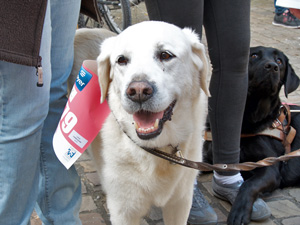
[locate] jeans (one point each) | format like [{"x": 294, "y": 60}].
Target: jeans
[
  {"x": 227, "y": 27},
  {"x": 278, "y": 9},
  {"x": 30, "y": 174}
]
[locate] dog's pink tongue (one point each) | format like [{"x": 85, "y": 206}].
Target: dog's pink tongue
[{"x": 146, "y": 119}]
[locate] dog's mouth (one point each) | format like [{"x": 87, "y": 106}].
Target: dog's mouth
[{"x": 150, "y": 124}]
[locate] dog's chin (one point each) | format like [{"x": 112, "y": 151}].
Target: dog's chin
[
  {"x": 269, "y": 86},
  {"x": 149, "y": 125}
]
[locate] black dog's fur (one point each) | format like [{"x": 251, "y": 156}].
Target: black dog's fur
[{"x": 269, "y": 70}]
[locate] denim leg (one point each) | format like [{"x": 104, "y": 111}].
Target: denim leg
[
  {"x": 23, "y": 109},
  {"x": 278, "y": 9},
  {"x": 60, "y": 189}
]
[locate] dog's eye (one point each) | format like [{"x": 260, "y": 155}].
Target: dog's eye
[
  {"x": 279, "y": 61},
  {"x": 166, "y": 55},
  {"x": 122, "y": 60},
  {"x": 254, "y": 56}
]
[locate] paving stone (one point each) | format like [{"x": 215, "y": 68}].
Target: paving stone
[
  {"x": 277, "y": 194},
  {"x": 208, "y": 188},
  {"x": 92, "y": 219},
  {"x": 85, "y": 156},
  {"x": 88, "y": 166},
  {"x": 83, "y": 188},
  {"x": 265, "y": 222},
  {"x": 87, "y": 204},
  {"x": 226, "y": 205},
  {"x": 295, "y": 193},
  {"x": 221, "y": 216},
  {"x": 34, "y": 219},
  {"x": 283, "y": 208},
  {"x": 93, "y": 178},
  {"x": 291, "y": 221}
]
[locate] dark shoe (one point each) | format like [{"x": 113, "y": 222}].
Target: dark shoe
[
  {"x": 201, "y": 212},
  {"x": 286, "y": 19},
  {"x": 228, "y": 192}
]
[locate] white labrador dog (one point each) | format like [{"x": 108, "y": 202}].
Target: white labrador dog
[{"x": 152, "y": 73}]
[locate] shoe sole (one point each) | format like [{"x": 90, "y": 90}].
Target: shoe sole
[
  {"x": 252, "y": 219},
  {"x": 286, "y": 26}
]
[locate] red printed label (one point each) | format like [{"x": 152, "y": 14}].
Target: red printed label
[{"x": 82, "y": 118}]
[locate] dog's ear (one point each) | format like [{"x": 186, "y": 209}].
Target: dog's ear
[
  {"x": 291, "y": 80},
  {"x": 199, "y": 58},
  {"x": 105, "y": 74}
]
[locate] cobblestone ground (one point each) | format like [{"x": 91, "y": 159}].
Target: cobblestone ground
[{"x": 284, "y": 204}]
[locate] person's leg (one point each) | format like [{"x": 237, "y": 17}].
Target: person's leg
[
  {"x": 278, "y": 9},
  {"x": 229, "y": 44},
  {"x": 60, "y": 189},
  {"x": 23, "y": 109},
  {"x": 178, "y": 12},
  {"x": 185, "y": 14}
]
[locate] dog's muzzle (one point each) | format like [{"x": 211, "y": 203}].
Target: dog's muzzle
[{"x": 148, "y": 124}]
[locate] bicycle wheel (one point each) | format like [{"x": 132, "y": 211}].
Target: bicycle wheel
[
  {"x": 116, "y": 14},
  {"x": 85, "y": 21}
]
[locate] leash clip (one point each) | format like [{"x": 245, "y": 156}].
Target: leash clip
[{"x": 177, "y": 152}]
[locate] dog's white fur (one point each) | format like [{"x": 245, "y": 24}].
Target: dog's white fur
[{"x": 133, "y": 179}]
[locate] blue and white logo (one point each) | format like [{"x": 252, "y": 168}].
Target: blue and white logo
[
  {"x": 71, "y": 152},
  {"x": 83, "y": 79}
]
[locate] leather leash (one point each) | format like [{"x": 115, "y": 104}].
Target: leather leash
[
  {"x": 202, "y": 166},
  {"x": 177, "y": 158}
]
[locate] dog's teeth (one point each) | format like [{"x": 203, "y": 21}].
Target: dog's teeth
[
  {"x": 156, "y": 123},
  {"x": 146, "y": 130},
  {"x": 136, "y": 125}
]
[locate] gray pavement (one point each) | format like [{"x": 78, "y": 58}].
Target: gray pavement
[{"x": 284, "y": 204}]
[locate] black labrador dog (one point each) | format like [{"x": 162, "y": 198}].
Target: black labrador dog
[{"x": 269, "y": 70}]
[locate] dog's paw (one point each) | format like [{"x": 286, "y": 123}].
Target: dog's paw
[{"x": 239, "y": 214}]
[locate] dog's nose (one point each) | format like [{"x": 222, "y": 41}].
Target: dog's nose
[
  {"x": 271, "y": 66},
  {"x": 139, "y": 91}
]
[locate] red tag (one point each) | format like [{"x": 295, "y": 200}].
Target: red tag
[{"x": 82, "y": 118}]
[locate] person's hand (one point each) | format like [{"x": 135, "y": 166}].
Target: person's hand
[{"x": 295, "y": 12}]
